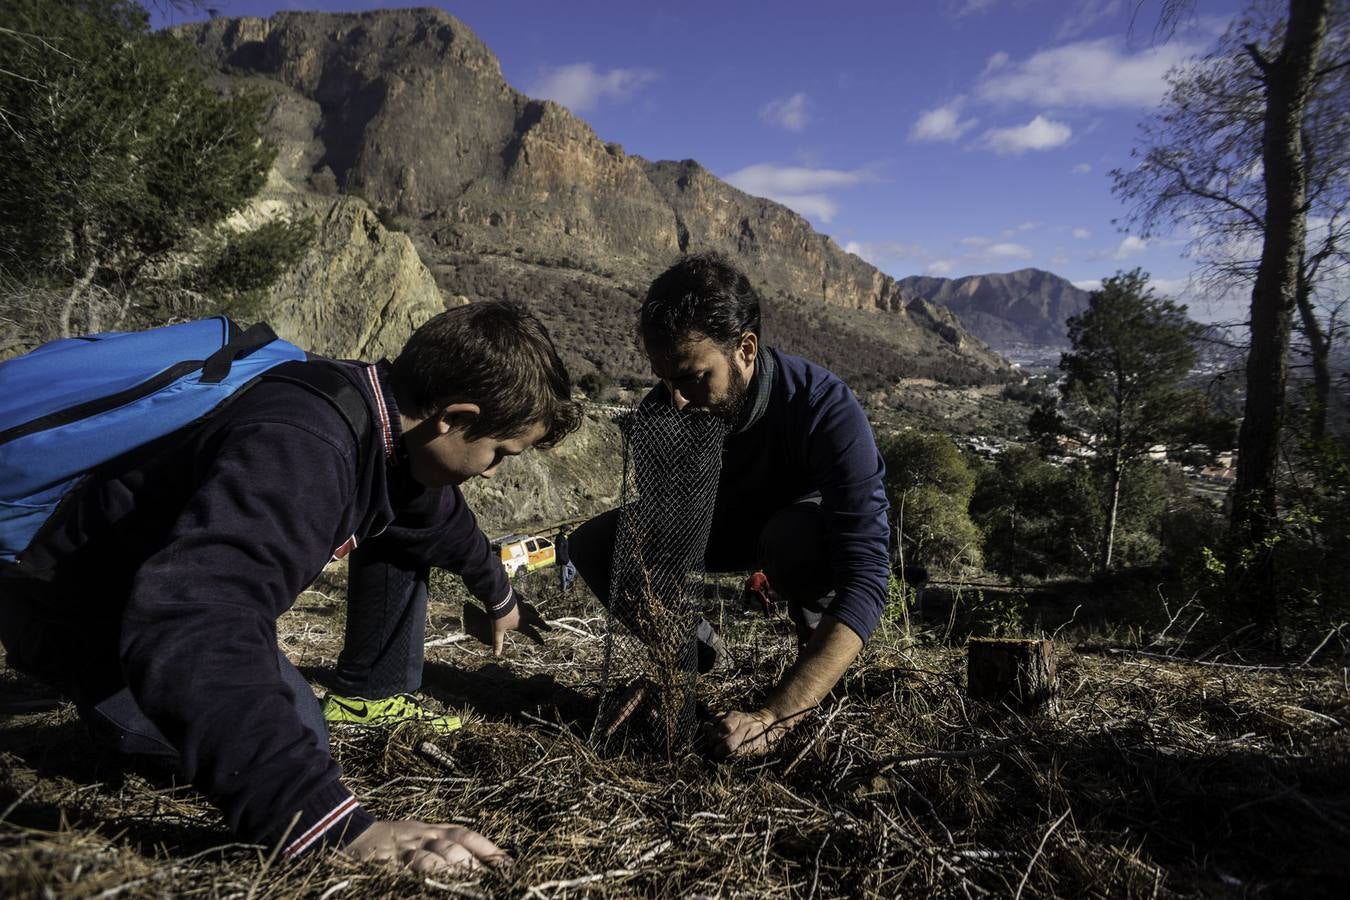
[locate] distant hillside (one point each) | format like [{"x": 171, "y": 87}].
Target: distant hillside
[
  {"x": 1029, "y": 306},
  {"x": 503, "y": 195}
]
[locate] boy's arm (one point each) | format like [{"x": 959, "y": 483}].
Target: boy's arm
[{"x": 437, "y": 528}]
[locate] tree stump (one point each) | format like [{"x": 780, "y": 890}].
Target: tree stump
[{"x": 1020, "y": 673}]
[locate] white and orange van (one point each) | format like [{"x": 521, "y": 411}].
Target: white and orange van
[{"x": 525, "y": 552}]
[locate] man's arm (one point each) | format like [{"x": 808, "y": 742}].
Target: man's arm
[
  {"x": 842, "y": 457},
  {"x": 823, "y": 661}
]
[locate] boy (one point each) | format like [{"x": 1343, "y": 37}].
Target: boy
[{"x": 170, "y": 569}]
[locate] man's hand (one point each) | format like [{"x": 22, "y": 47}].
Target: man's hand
[
  {"x": 425, "y": 848},
  {"x": 744, "y": 733}
]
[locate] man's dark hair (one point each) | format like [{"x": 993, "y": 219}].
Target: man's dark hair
[
  {"x": 701, "y": 293},
  {"x": 494, "y": 354}
]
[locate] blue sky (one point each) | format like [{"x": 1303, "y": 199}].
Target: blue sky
[{"x": 942, "y": 137}]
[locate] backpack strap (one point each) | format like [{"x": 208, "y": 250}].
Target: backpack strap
[
  {"x": 217, "y": 365},
  {"x": 330, "y": 384}
]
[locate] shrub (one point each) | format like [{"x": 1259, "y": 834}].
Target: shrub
[{"x": 929, "y": 487}]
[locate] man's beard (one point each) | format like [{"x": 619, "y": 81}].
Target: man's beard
[{"x": 729, "y": 408}]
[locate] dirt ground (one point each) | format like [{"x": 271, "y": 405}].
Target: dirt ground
[{"x": 1153, "y": 777}]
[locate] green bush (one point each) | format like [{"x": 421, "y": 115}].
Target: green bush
[
  {"x": 1307, "y": 552},
  {"x": 1037, "y": 517},
  {"x": 595, "y": 383},
  {"x": 237, "y": 266},
  {"x": 929, "y": 486}
]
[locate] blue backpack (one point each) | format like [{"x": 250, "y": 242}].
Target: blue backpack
[{"x": 72, "y": 405}]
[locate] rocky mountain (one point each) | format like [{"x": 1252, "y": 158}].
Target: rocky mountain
[
  {"x": 503, "y": 195},
  {"x": 1027, "y": 307}
]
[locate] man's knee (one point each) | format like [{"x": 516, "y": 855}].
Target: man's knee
[
  {"x": 794, "y": 554},
  {"x": 591, "y": 549}
]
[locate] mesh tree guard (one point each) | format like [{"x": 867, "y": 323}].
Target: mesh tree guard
[{"x": 671, "y": 460}]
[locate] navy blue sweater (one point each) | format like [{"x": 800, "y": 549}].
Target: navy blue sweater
[
  {"x": 176, "y": 567},
  {"x": 804, "y": 432}
]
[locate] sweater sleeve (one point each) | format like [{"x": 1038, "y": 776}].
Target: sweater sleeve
[
  {"x": 842, "y": 455},
  {"x": 199, "y": 643},
  {"x": 436, "y": 527}
]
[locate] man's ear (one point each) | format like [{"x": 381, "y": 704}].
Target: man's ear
[
  {"x": 748, "y": 348},
  {"x": 457, "y": 416}
]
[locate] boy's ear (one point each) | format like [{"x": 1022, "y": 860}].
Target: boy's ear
[{"x": 457, "y": 416}]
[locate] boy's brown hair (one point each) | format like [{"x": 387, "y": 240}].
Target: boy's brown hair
[{"x": 494, "y": 354}]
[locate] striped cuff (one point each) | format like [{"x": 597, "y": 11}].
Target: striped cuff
[
  {"x": 332, "y": 818},
  {"x": 503, "y": 606}
]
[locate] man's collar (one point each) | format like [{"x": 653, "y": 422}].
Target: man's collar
[{"x": 757, "y": 392}]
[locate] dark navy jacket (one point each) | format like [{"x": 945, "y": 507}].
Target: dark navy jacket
[
  {"x": 802, "y": 432},
  {"x": 174, "y": 569}
]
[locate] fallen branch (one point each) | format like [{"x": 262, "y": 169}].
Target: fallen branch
[
  {"x": 1242, "y": 667},
  {"x": 820, "y": 733},
  {"x": 538, "y": 889},
  {"x": 1037, "y": 855},
  {"x": 910, "y": 759}
]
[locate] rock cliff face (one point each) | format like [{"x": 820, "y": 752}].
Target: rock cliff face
[
  {"x": 1029, "y": 306},
  {"x": 409, "y": 110},
  {"x": 581, "y": 476},
  {"x": 359, "y": 292}
]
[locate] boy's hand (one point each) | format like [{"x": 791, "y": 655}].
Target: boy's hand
[
  {"x": 425, "y": 848},
  {"x": 523, "y": 617},
  {"x": 508, "y": 622}
]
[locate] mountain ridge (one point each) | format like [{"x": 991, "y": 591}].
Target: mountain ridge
[
  {"x": 1004, "y": 309},
  {"x": 508, "y": 187}
]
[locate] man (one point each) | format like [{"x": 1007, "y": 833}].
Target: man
[
  {"x": 172, "y": 566},
  {"x": 800, "y": 496}
]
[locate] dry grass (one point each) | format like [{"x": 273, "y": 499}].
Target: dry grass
[{"x": 1153, "y": 778}]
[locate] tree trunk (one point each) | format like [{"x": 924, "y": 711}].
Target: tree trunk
[
  {"x": 1112, "y": 508},
  {"x": 1018, "y": 672},
  {"x": 1319, "y": 349},
  {"x": 76, "y": 292},
  {"x": 1288, "y": 80}
]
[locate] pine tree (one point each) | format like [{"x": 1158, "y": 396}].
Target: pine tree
[{"x": 1122, "y": 390}]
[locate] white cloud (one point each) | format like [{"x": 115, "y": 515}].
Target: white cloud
[
  {"x": 1007, "y": 250},
  {"x": 581, "y": 87},
  {"x": 799, "y": 188},
  {"x": 787, "y": 112},
  {"x": 1171, "y": 287},
  {"x": 1091, "y": 284},
  {"x": 1018, "y": 229},
  {"x": 879, "y": 252},
  {"x": 976, "y": 241},
  {"x": 813, "y": 206},
  {"x": 1096, "y": 74},
  {"x": 766, "y": 179},
  {"x": 1129, "y": 247},
  {"x": 996, "y": 62},
  {"x": 939, "y": 267},
  {"x": 961, "y": 8},
  {"x": 1082, "y": 169},
  {"x": 1082, "y": 234},
  {"x": 1038, "y": 134},
  {"x": 1085, "y": 14},
  {"x": 943, "y": 123}
]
